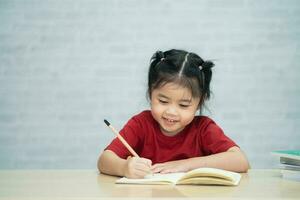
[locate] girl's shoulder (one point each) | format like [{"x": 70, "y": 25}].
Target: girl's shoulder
[
  {"x": 202, "y": 118},
  {"x": 203, "y": 121},
  {"x": 143, "y": 117},
  {"x": 145, "y": 114}
]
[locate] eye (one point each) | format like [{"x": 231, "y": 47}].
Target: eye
[
  {"x": 184, "y": 105},
  {"x": 162, "y": 101}
]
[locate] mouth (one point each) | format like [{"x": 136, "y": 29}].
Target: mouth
[{"x": 170, "y": 121}]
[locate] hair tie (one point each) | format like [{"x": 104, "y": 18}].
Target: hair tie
[
  {"x": 162, "y": 59},
  {"x": 200, "y": 67}
]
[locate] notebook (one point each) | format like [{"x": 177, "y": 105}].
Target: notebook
[{"x": 200, "y": 176}]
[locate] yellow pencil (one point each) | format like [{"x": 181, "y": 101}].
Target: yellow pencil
[{"x": 121, "y": 139}]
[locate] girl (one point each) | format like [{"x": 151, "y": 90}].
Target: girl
[{"x": 169, "y": 137}]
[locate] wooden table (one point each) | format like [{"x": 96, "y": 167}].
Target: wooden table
[{"x": 88, "y": 184}]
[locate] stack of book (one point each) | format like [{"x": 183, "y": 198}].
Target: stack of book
[{"x": 289, "y": 163}]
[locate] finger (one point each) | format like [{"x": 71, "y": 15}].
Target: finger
[
  {"x": 157, "y": 166},
  {"x": 141, "y": 170},
  {"x": 145, "y": 160},
  {"x": 157, "y": 169},
  {"x": 166, "y": 171},
  {"x": 149, "y": 162},
  {"x": 143, "y": 167},
  {"x": 140, "y": 174}
]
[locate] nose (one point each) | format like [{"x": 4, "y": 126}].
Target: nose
[{"x": 171, "y": 110}]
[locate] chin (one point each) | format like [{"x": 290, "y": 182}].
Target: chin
[{"x": 171, "y": 132}]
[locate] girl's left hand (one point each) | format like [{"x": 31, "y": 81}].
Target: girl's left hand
[{"x": 170, "y": 167}]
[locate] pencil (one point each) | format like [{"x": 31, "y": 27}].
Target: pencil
[{"x": 121, "y": 139}]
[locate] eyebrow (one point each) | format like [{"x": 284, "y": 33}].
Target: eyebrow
[
  {"x": 181, "y": 100},
  {"x": 163, "y": 96}
]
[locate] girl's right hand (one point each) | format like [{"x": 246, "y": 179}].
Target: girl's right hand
[{"x": 137, "y": 167}]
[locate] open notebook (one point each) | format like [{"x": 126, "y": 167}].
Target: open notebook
[{"x": 200, "y": 176}]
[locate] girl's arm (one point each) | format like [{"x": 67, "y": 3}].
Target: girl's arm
[
  {"x": 133, "y": 167},
  {"x": 232, "y": 160}
]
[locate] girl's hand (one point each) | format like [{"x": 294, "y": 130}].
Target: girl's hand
[
  {"x": 137, "y": 167},
  {"x": 171, "y": 167}
]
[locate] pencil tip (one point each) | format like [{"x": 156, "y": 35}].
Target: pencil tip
[{"x": 106, "y": 122}]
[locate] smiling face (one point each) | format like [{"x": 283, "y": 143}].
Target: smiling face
[{"x": 173, "y": 107}]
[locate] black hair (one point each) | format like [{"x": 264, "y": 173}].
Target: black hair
[{"x": 181, "y": 67}]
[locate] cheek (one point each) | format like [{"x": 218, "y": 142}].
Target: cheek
[
  {"x": 156, "y": 110},
  {"x": 187, "y": 117},
  {"x": 155, "y": 113}
]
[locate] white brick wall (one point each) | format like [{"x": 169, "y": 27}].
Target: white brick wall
[{"x": 67, "y": 65}]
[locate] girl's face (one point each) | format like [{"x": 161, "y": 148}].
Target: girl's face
[{"x": 173, "y": 107}]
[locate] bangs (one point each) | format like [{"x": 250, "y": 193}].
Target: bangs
[{"x": 186, "y": 82}]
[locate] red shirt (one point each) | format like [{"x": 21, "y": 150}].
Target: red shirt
[{"x": 201, "y": 137}]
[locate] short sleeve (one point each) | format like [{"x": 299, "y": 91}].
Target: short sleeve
[
  {"x": 130, "y": 132},
  {"x": 214, "y": 140}
]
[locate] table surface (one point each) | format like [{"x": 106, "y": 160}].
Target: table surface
[{"x": 89, "y": 184}]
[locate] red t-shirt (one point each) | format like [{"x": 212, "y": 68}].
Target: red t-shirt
[{"x": 201, "y": 137}]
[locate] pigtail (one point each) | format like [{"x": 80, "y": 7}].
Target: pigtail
[
  {"x": 206, "y": 77},
  {"x": 156, "y": 58}
]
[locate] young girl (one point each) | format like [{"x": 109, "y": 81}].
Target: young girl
[{"x": 169, "y": 137}]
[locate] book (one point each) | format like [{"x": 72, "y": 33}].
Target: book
[
  {"x": 289, "y": 164},
  {"x": 291, "y": 174},
  {"x": 289, "y": 161},
  {"x": 289, "y": 167},
  {"x": 293, "y": 154},
  {"x": 199, "y": 176},
  {"x": 288, "y": 157}
]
